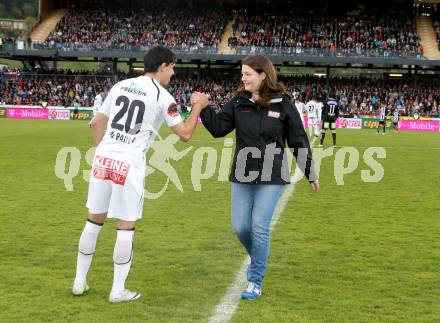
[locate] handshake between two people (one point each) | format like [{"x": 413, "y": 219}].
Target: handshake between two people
[
  {"x": 185, "y": 130},
  {"x": 199, "y": 100}
]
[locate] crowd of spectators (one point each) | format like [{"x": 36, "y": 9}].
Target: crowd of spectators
[
  {"x": 345, "y": 29},
  {"x": 62, "y": 88},
  {"x": 356, "y": 95},
  {"x": 188, "y": 27}
]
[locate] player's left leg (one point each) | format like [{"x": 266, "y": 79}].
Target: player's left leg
[
  {"x": 316, "y": 127},
  {"x": 311, "y": 123},
  {"x": 321, "y": 140},
  {"x": 325, "y": 126},
  {"x": 334, "y": 137},
  {"x": 333, "y": 130},
  {"x": 98, "y": 199}
]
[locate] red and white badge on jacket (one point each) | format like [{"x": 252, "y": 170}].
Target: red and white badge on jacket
[{"x": 273, "y": 114}]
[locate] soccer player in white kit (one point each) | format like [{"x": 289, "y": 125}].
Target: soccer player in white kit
[
  {"x": 99, "y": 99},
  {"x": 97, "y": 103},
  {"x": 134, "y": 110},
  {"x": 300, "y": 106},
  {"x": 313, "y": 116},
  {"x": 320, "y": 105},
  {"x": 382, "y": 118}
]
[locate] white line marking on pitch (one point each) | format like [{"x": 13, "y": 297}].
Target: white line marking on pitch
[{"x": 228, "y": 305}]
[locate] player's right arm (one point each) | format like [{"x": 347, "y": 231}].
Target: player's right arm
[{"x": 185, "y": 130}]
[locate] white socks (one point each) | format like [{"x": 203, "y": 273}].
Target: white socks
[
  {"x": 122, "y": 257},
  {"x": 86, "y": 249}
]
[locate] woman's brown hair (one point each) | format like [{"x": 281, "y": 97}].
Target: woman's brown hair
[{"x": 270, "y": 85}]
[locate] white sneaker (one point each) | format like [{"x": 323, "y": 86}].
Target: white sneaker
[
  {"x": 79, "y": 289},
  {"x": 253, "y": 291},
  {"x": 124, "y": 296}
]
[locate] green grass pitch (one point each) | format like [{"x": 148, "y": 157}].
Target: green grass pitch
[{"x": 358, "y": 252}]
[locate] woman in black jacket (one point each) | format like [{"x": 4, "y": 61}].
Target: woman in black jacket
[{"x": 264, "y": 119}]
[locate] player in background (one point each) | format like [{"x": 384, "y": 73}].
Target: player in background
[
  {"x": 300, "y": 106},
  {"x": 382, "y": 118},
  {"x": 329, "y": 115},
  {"x": 133, "y": 111},
  {"x": 396, "y": 120},
  {"x": 99, "y": 99},
  {"x": 320, "y": 106},
  {"x": 312, "y": 108}
]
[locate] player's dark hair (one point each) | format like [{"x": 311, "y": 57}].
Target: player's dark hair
[
  {"x": 156, "y": 56},
  {"x": 270, "y": 85}
]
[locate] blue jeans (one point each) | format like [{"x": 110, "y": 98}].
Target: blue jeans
[{"x": 252, "y": 210}]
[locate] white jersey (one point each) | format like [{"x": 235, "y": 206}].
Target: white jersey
[
  {"x": 97, "y": 103},
  {"x": 312, "y": 110},
  {"x": 320, "y": 105},
  {"x": 300, "y": 107},
  {"x": 136, "y": 109}
]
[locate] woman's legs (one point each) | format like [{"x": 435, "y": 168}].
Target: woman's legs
[{"x": 265, "y": 201}]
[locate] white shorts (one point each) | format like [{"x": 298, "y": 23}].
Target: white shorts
[
  {"x": 116, "y": 188},
  {"x": 312, "y": 121}
]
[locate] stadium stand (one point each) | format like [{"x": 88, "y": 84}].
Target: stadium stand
[
  {"x": 192, "y": 27},
  {"x": 57, "y": 89},
  {"x": 337, "y": 30}
]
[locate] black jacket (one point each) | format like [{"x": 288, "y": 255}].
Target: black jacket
[{"x": 260, "y": 132}]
